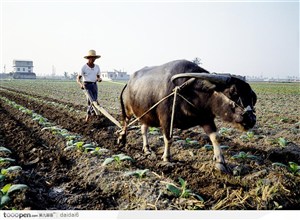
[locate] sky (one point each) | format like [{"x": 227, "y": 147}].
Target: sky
[{"x": 256, "y": 38}]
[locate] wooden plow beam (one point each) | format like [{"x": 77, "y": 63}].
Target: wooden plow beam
[{"x": 97, "y": 108}]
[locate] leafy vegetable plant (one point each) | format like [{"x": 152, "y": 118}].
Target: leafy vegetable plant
[
  {"x": 116, "y": 158},
  {"x": 98, "y": 151},
  {"x": 7, "y": 190},
  {"x": 6, "y": 160},
  {"x": 282, "y": 142},
  {"x": 243, "y": 156},
  {"x": 209, "y": 147},
  {"x": 293, "y": 167},
  {"x": 182, "y": 191},
  {"x": 5, "y": 150},
  {"x": 154, "y": 131},
  {"x": 80, "y": 145},
  {"x": 138, "y": 173}
]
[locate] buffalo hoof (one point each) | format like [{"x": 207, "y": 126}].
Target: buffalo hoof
[
  {"x": 165, "y": 164},
  {"x": 166, "y": 159},
  {"x": 147, "y": 150},
  {"x": 121, "y": 141},
  {"x": 222, "y": 167}
]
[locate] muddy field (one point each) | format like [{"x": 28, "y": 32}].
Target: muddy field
[{"x": 74, "y": 178}]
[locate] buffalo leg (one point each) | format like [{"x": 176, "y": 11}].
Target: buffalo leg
[
  {"x": 218, "y": 156},
  {"x": 211, "y": 129},
  {"x": 122, "y": 134},
  {"x": 168, "y": 142},
  {"x": 144, "y": 130}
]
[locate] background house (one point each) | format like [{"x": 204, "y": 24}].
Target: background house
[
  {"x": 23, "y": 69},
  {"x": 114, "y": 75}
]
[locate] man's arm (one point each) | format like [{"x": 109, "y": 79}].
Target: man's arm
[
  {"x": 99, "y": 79},
  {"x": 79, "y": 81}
]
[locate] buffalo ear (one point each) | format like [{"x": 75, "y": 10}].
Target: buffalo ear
[{"x": 233, "y": 90}]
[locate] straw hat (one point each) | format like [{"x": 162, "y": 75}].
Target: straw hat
[{"x": 92, "y": 53}]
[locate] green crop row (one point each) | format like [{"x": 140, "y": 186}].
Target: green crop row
[
  {"x": 7, "y": 175},
  {"x": 50, "y": 103}
]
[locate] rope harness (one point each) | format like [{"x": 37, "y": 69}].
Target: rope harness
[{"x": 175, "y": 93}]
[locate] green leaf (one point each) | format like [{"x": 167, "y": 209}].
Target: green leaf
[
  {"x": 182, "y": 182},
  {"x": 69, "y": 148},
  {"x": 4, "y": 199},
  {"x": 2, "y": 177},
  {"x": 173, "y": 189},
  {"x": 89, "y": 146},
  {"x": 4, "y": 149},
  {"x": 143, "y": 172},
  {"x": 99, "y": 150},
  {"x": 71, "y": 137},
  {"x": 79, "y": 144},
  {"x": 16, "y": 187},
  {"x": 70, "y": 142},
  {"x": 208, "y": 147},
  {"x": 3, "y": 172},
  {"x": 51, "y": 128},
  {"x": 250, "y": 134},
  {"x": 253, "y": 157},
  {"x": 193, "y": 142},
  {"x": 224, "y": 147},
  {"x": 153, "y": 130},
  {"x": 282, "y": 142},
  {"x": 2, "y": 159},
  {"x": 5, "y": 188},
  {"x": 107, "y": 161},
  {"x": 123, "y": 157},
  {"x": 197, "y": 197},
  {"x": 13, "y": 168},
  {"x": 236, "y": 156},
  {"x": 294, "y": 168},
  {"x": 131, "y": 173},
  {"x": 137, "y": 173},
  {"x": 186, "y": 193},
  {"x": 279, "y": 164},
  {"x": 87, "y": 149}
]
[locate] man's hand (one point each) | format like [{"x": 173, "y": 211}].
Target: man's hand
[{"x": 99, "y": 79}]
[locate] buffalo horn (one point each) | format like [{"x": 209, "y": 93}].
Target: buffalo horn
[{"x": 214, "y": 78}]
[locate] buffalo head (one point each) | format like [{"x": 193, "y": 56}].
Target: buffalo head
[{"x": 232, "y": 98}]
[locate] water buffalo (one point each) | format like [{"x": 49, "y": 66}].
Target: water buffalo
[{"x": 203, "y": 96}]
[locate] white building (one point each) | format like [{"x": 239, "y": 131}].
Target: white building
[
  {"x": 23, "y": 69},
  {"x": 116, "y": 75}
]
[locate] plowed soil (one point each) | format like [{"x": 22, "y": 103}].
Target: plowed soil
[{"x": 64, "y": 180}]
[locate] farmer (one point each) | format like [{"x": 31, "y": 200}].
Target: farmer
[{"x": 88, "y": 78}]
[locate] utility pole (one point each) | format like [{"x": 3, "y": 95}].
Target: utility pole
[{"x": 53, "y": 70}]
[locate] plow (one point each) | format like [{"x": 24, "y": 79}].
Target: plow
[{"x": 99, "y": 109}]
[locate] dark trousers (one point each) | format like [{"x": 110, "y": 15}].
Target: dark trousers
[{"x": 92, "y": 90}]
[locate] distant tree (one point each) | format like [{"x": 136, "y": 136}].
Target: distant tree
[
  {"x": 66, "y": 75},
  {"x": 73, "y": 75},
  {"x": 197, "y": 61}
]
